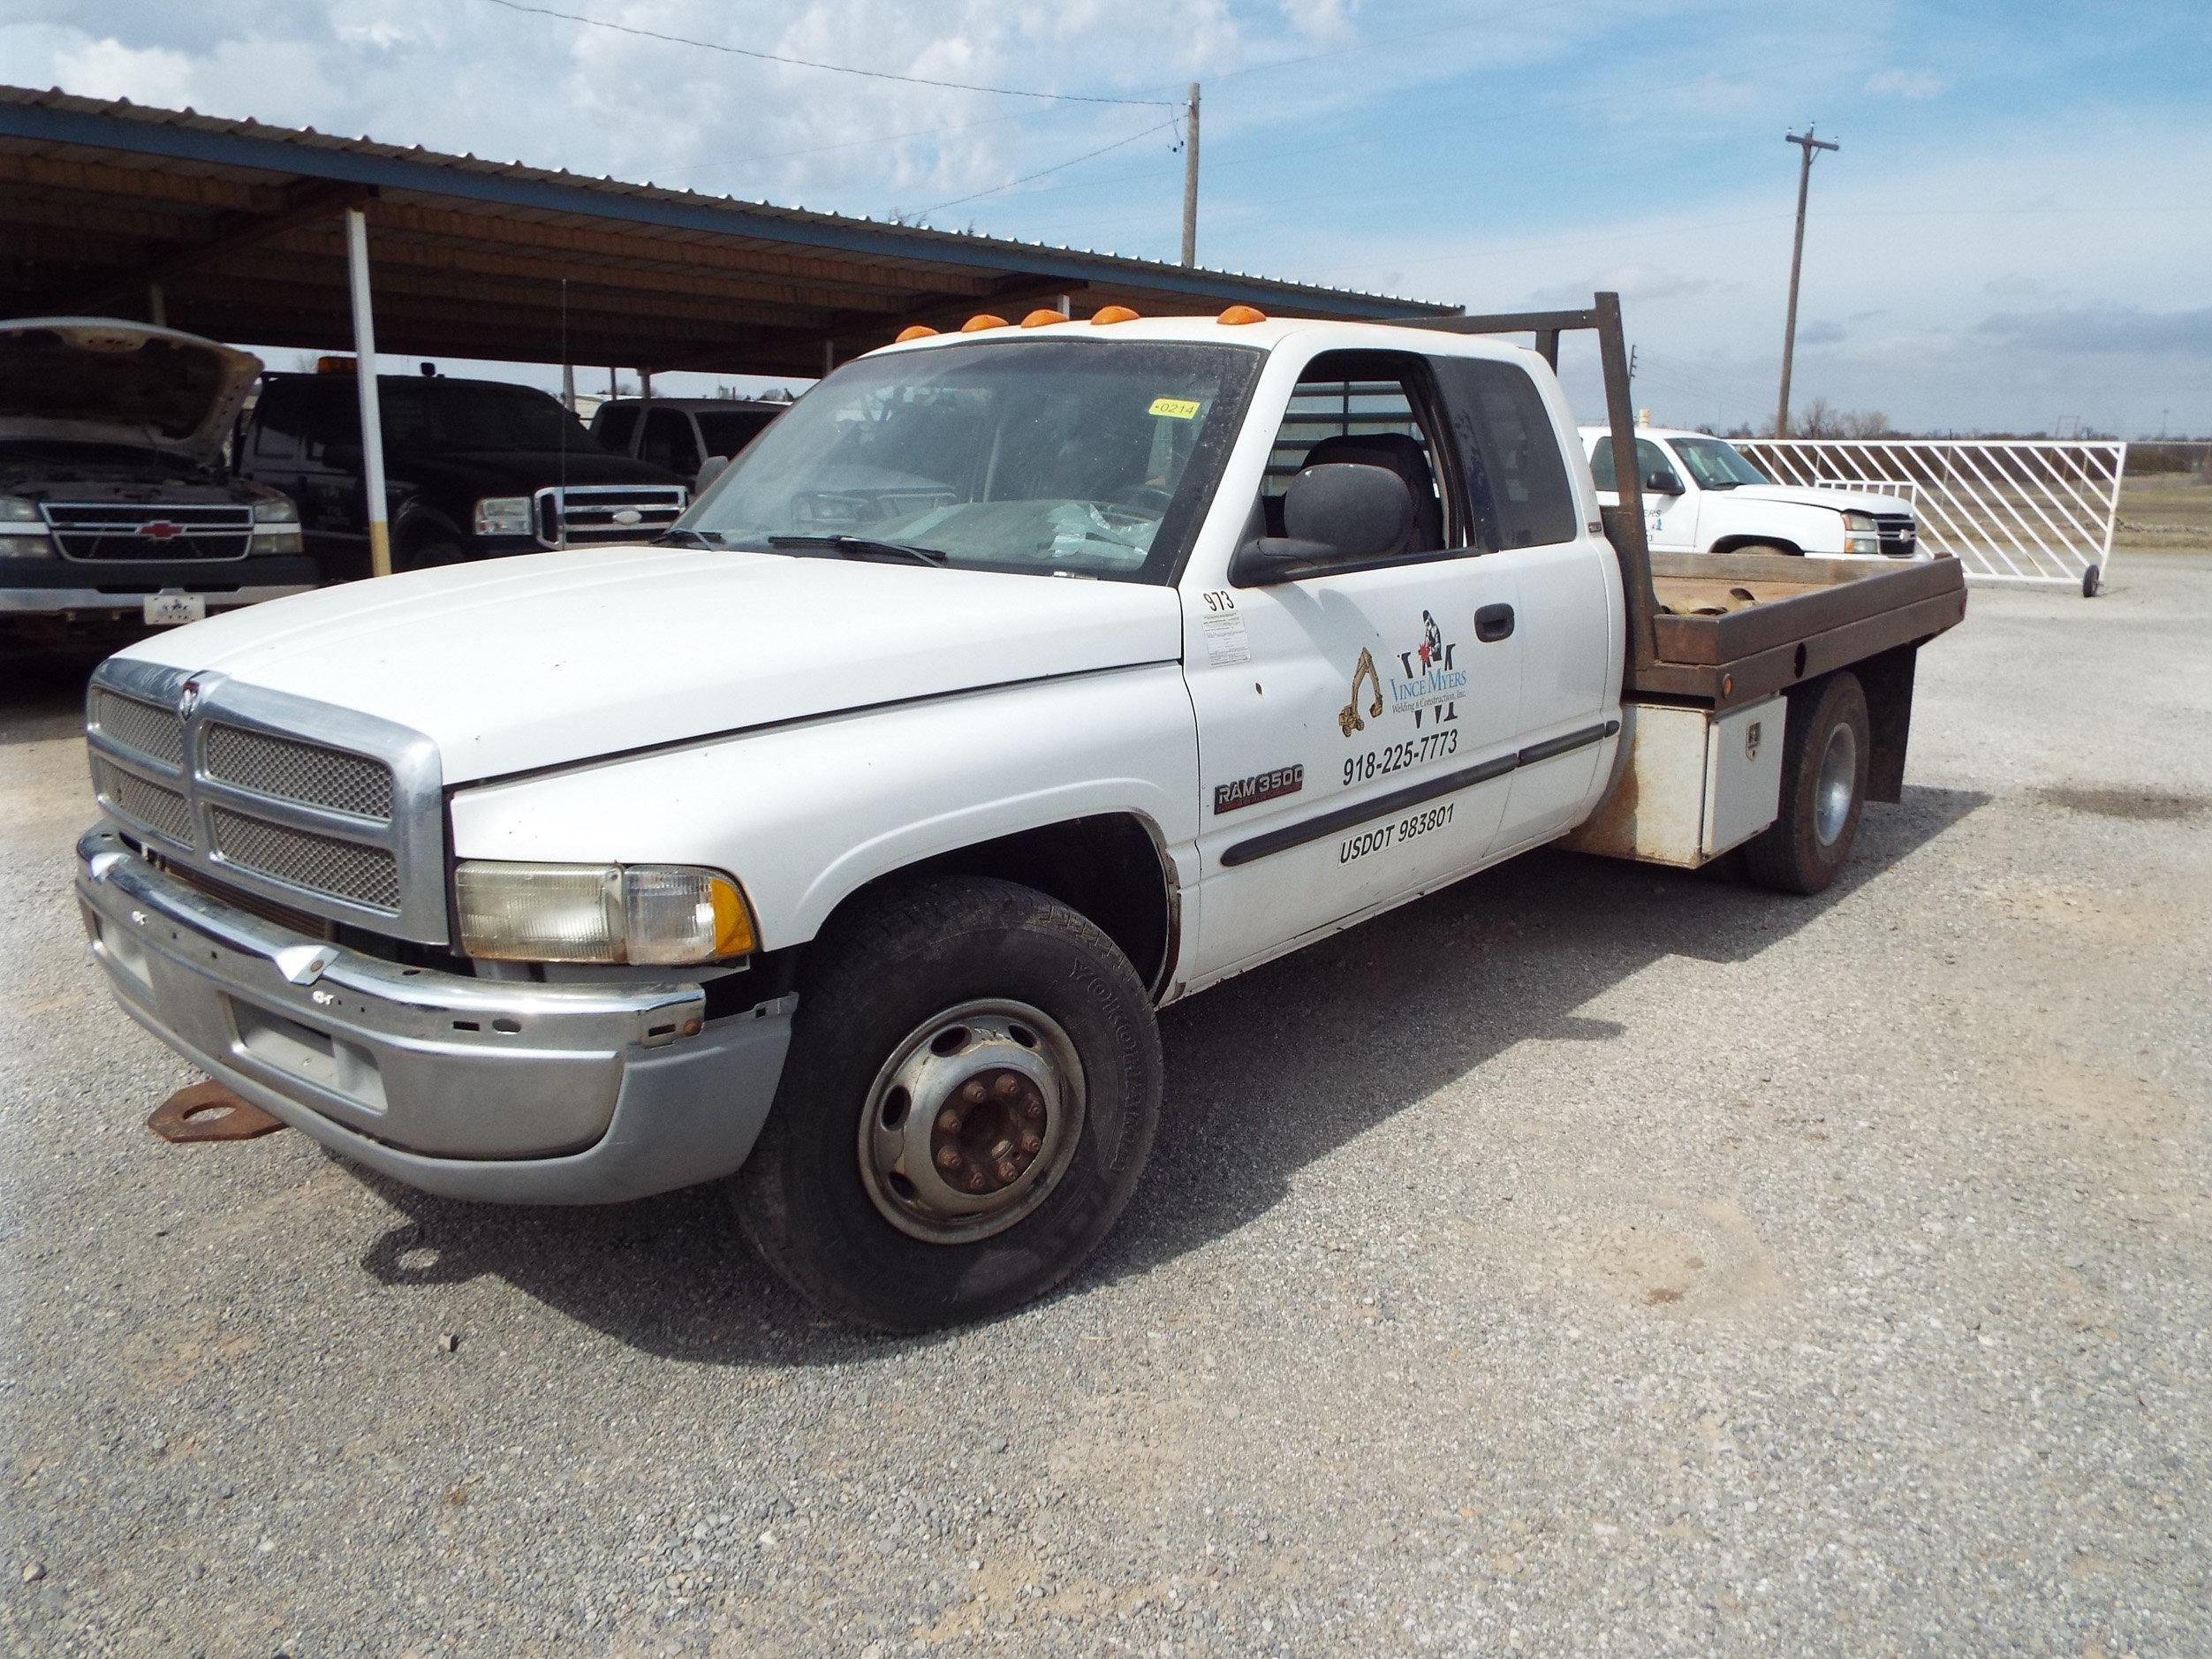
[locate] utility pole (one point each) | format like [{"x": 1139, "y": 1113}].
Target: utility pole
[
  {"x": 1190, "y": 180},
  {"x": 1806, "y": 143}
]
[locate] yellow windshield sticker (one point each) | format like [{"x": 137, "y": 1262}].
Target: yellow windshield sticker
[{"x": 1175, "y": 408}]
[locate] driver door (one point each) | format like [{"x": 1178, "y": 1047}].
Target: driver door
[
  {"x": 1357, "y": 729},
  {"x": 1670, "y": 514}
]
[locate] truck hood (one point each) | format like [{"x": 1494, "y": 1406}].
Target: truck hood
[
  {"x": 98, "y": 380},
  {"x": 1811, "y": 496},
  {"x": 520, "y": 472},
  {"x": 515, "y": 665}
]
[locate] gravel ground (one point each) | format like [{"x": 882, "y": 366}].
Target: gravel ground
[{"x": 1587, "y": 1259}]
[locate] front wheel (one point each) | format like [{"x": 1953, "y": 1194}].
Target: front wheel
[
  {"x": 1825, "y": 749},
  {"x": 973, "y": 1086}
]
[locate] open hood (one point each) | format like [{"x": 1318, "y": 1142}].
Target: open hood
[
  {"x": 100, "y": 379},
  {"x": 514, "y": 664}
]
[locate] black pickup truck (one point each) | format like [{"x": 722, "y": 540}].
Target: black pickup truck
[
  {"x": 472, "y": 469},
  {"x": 117, "y": 510}
]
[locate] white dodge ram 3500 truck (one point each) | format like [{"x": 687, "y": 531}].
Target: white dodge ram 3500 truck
[
  {"x": 1703, "y": 496},
  {"x": 847, "y": 839}
]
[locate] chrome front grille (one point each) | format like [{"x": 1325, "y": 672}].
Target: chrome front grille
[
  {"x": 307, "y": 772},
  {"x": 1899, "y": 535},
  {"x": 156, "y": 733},
  {"x": 301, "y": 858},
  {"x": 155, "y": 807},
  {"x": 606, "y": 513},
  {"x": 89, "y": 531},
  {"x": 315, "y": 808}
]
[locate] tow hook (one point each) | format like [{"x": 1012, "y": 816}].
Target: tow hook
[{"x": 208, "y": 1111}]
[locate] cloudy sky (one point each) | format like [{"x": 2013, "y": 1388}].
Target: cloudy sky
[{"x": 2017, "y": 232}]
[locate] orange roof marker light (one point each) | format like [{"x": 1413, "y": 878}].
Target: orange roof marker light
[
  {"x": 1113, "y": 314},
  {"x": 916, "y": 331},
  {"x": 981, "y": 320},
  {"x": 1042, "y": 319},
  {"x": 1236, "y": 316}
]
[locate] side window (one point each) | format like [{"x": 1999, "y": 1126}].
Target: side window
[
  {"x": 298, "y": 419},
  {"x": 276, "y": 424},
  {"x": 1602, "y": 463},
  {"x": 1517, "y": 480},
  {"x": 1364, "y": 407},
  {"x": 1652, "y": 462},
  {"x": 615, "y": 424},
  {"x": 668, "y": 441}
]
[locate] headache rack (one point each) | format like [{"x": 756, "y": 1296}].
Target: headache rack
[{"x": 1726, "y": 629}]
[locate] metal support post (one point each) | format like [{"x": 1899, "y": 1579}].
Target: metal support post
[{"x": 365, "y": 382}]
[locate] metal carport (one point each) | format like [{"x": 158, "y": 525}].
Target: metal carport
[
  {"x": 240, "y": 228},
  {"x": 283, "y": 236}
]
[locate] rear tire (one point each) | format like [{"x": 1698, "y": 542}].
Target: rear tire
[
  {"x": 955, "y": 1022},
  {"x": 1825, "y": 751}
]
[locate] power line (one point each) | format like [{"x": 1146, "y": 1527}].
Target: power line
[
  {"x": 1164, "y": 127},
  {"x": 840, "y": 69}
]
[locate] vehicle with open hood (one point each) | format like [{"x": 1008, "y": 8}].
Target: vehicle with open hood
[
  {"x": 118, "y": 510},
  {"x": 1013, "y": 683}
]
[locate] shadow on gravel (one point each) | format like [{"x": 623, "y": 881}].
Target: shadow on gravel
[
  {"x": 43, "y": 692},
  {"x": 1264, "y": 1075}
]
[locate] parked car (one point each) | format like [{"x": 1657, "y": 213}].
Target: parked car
[
  {"x": 117, "y": 510},
  {"x": 848, "y": 839},
  {"x": 472, "y": 469},
  {"x": 682, "y": 434},
  {"x": 1702, "y": 495}
]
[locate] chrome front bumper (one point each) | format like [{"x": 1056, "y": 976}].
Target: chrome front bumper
[
  {"x": 500, "y": 1089},
  {"x": 52, "y": 601}
]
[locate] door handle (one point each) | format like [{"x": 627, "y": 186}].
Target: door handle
[{"x": 1493, "y": 623}]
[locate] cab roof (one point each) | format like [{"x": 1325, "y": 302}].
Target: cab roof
[{"x": 1265, "y": 334}]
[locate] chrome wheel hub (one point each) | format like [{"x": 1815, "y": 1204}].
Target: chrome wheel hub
[
  {"x": 972, "y": 1121},
  {"x": 1832, "y": 789}
]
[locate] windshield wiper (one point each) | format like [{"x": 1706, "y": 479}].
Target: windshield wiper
[
  {"x": 688, "y": 538},
  {"x": 861, "y": 547}
]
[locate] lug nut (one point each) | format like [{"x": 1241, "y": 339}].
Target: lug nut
[
  {"x": 947, "y": 1120},
  {"x": 1033, "y": 1110},
  {"x": 1031, "y": 1141},
  {"x": 1008, "y": 1086},
  {"x": 1006, "y": 1172},
  {"x": 949, "y": 1158},
  {"x": 977, "y": 1181},
  {"x": 974, "y": 1093}
]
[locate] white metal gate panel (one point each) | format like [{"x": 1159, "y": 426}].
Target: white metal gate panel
[{"x": 2010, "y": 509}]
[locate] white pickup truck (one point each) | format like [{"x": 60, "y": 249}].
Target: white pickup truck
[
  {"x": 849, "y": 838},
  {"x": 1702, "y": 495}
]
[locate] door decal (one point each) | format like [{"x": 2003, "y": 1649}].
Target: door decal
[{"x": 1348, "y": 719}]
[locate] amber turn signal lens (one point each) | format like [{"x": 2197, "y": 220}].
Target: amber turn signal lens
[
  {"x": 1042, "y": 318},
  {"x": 1237, "y": 316},
  {"x": 918, "y": 331},
  {"x": 981, "y": 320},
  {"x": 1113, "y": 314}
]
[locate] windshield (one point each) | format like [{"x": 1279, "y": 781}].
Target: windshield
[
  {"x": 433, "y": 415},
  {"x": 1716, "y": 465},
  {"x": 1090, "y": 457}
]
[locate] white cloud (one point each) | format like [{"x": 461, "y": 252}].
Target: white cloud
[
  {"x": 108, "y": 69},
  {"x": 1904, "y": 83}
]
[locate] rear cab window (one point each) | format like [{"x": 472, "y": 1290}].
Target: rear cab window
[{"x": 1519, "y": 490}]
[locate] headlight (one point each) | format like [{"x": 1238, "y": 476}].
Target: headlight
[
  {"x": 504, "y": 515},
  {"x": 22, "y": 532},
  {"x": 1860, "y": 534},
  {"x": 276, "y": 511},
  {"x": 600, "y": 913}
]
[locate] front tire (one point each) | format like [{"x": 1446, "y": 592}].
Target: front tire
[
  {"x": 1825, "y": 751},
  {"x": 972, "y": 1090}
]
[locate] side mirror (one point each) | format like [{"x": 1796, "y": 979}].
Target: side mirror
[
  {"x": 1663, "y": 484},
  {"x": 1337, "y": 513},
  {"x": 709, "y": 469}
]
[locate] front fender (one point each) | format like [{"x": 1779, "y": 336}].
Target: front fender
[
  {"x": 1809, "y": 529},
  {"x": 805, "y": 814}
]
